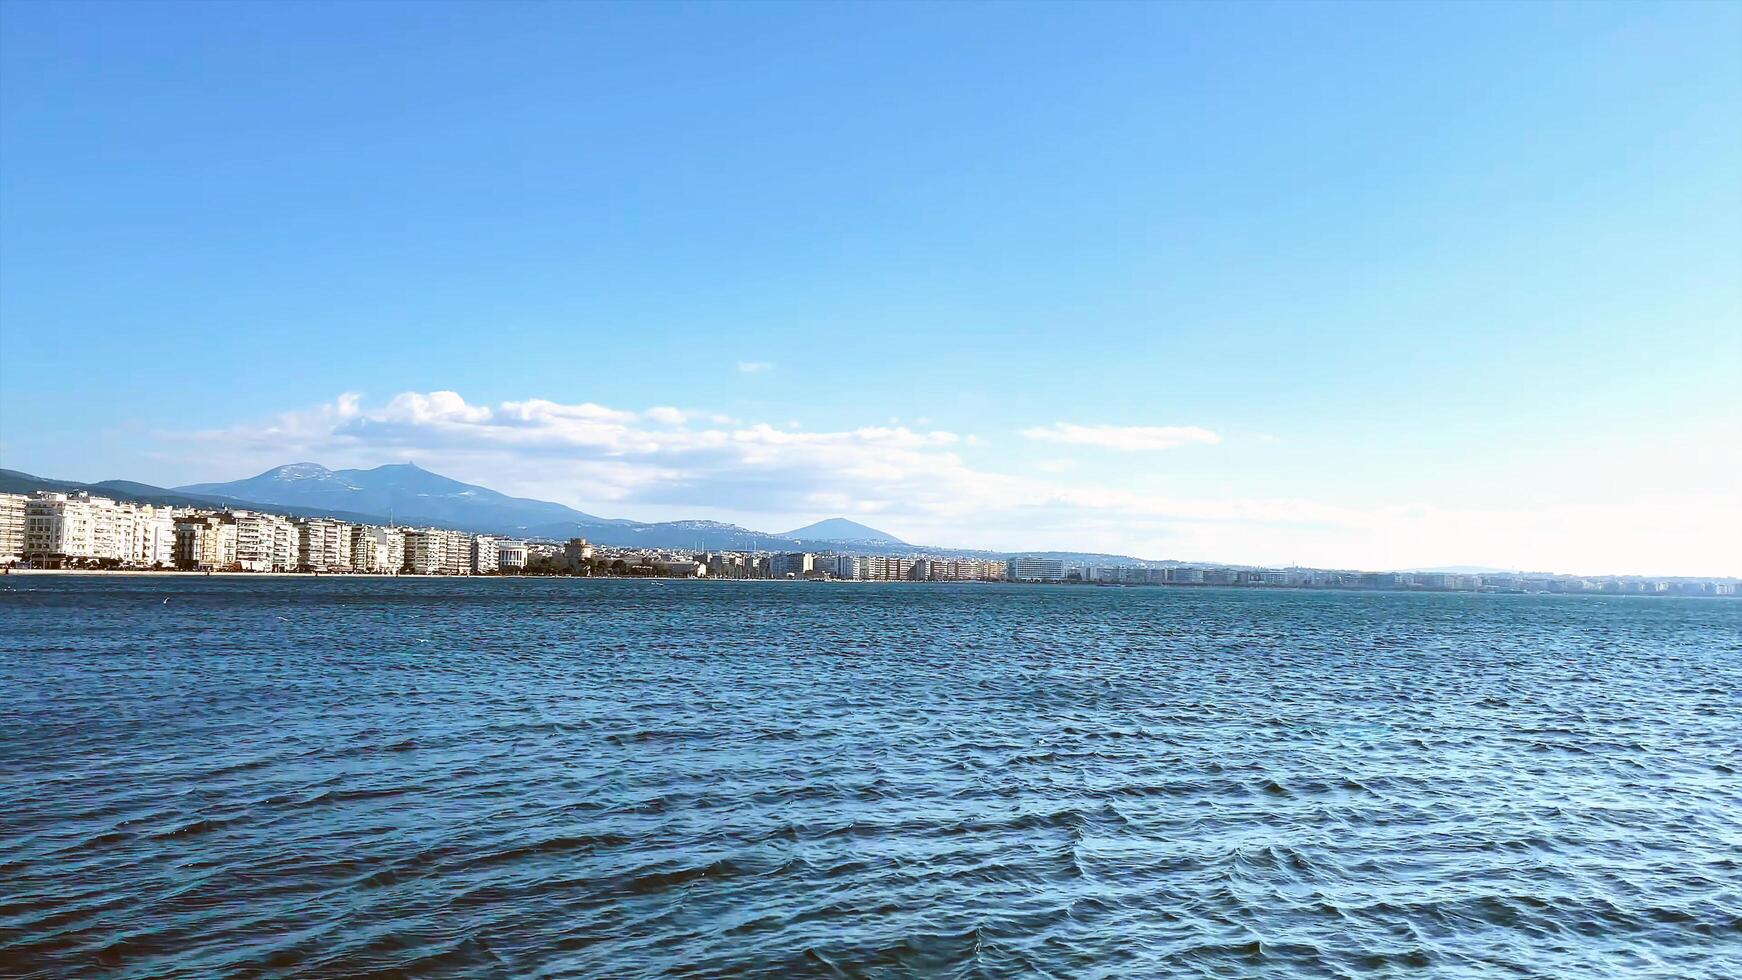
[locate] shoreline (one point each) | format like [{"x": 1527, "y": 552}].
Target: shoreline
[{"x": 1164, "y": 586}]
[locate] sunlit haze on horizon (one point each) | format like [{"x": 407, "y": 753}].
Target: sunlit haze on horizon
[{"x": 1377, "y": 286}]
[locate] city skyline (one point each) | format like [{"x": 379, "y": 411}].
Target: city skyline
[
  {"x": 438, "y": 505},
  {"x": 1337, "y": 287},
  {"x": 57, "y": 530}
]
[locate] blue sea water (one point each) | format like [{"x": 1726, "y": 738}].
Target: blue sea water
[{"x": 344, "y": 776}]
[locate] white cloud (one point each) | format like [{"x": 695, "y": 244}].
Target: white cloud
[
  {"x": 667, "y": 462},
  {"x": 754, "y": 367},
  {"x": 1126, "y": 438}
]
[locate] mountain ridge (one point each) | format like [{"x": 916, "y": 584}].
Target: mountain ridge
[
  {"x": 845, "y": 531},
  {"x": 403, "y": 490},
  {"x": 702, "y": 535}
]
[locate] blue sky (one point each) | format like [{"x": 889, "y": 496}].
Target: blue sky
[{"x": 1376, "y": 285}]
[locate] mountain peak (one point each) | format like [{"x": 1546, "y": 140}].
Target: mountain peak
[
  {"x": 840, "y": 529},
  {"x": 405, "y": 492},
  {"x": 297, "y": 470}
]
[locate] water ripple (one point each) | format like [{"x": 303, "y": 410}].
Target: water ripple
[{"x": 573, "y": 778}]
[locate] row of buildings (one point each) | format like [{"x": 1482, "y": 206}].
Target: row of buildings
[
  {"x": 79, "y": 530},
  {"x": 855, "y": 568},
  {"x": 1314, "y": 578},
  {"x": 62, "y": 530}
]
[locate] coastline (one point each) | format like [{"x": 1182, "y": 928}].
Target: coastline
[{"x": 1163, "y": 586}]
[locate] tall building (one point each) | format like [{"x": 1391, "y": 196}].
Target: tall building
[
  {"x": 147, "y": 536},
  {"x": 456, "y": 553},
  {"x": 423, "y": 551},
  {"x": 323, "y": 545},
  {"x": 57, "y": 528},
  {"x": 486, "y": 558},
  {"x": 11, "y": 528},
  {"x": 1035, "y": 570},
  {"x": 794, "y": 565},
  {"x": 881, "y": 568},
  {"x": 76, "y": 528},
  {"x": 266, "y": 542},
  {"x": 434, "y": 551},
  {"x": 377, "y": 550},
  {"x": 205, "y": 542}
]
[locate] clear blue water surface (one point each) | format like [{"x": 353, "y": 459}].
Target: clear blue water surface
[{"x": 521, "y": 777}]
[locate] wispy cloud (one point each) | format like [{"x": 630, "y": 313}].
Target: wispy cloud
[
  {"x": 1124, "y": 438},
  {"x": 939, "y": 487},
  {"x": 754, "y": 367}
]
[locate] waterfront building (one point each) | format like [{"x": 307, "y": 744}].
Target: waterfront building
[
  {"x": 794, "y": 565},
  {"x": 834, "y": 566},
  {"x": 881, "y": 568},
  {"x": 486, "y": 555},
  {"x": 76, "y": 528},
  {"x": 377, "y": 550},
  {"x": 323, "y": 545},
  {"x": 205, "y": 542},
  {"x": 727, "y": 565},
  {"x": 511, "y": 556},
  {"x": 679, "y": 567},
  {"x": 57, "y": 528},
  {"x": 437, "y": 551},
  {"x": 266, "y": 542},
  {"x": 1028, "y": 569},
  {"x": 11, "y": 528},
  {"x": 456, "y": 553},
  {"x": 423, "y": 551},
  {"x": 964, "y": 570},
  {"x": 577, "y": 554},
  {"x": 147, "y": 536}
]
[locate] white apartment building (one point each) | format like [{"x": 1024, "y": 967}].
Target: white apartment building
[
  {"x": 266, "y": 542},
  {"x": 62, "y": 528},
  {"x": 881, "y": 568},
  {"x": 456, "y": 553},
  {"x": 11, "y": 528},
  {"x": 486, "y": 556},
  {"x": 433, "y": 551},
  {"x": 145, "y": 535},
  {"x": 58, "y": 528},
  {"x": 206, "y": 542},
  {"x": 423, "y": 551},
  {"x": 323, "y": 545},
  {"x": 511, "y": 555},
  {"x": 1035, "y": 570},
  {"x": 378, "y": 550}
]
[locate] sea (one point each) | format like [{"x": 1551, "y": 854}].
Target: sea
[{"x": 347, "y": 776}]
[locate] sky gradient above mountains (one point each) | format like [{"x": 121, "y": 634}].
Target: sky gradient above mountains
[{"x": 1364, "y": 286}]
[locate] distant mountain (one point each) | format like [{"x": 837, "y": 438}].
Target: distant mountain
[
  {"x": 679, "y": 536},
  {"x": 841, "y": 530},
  {"x": 411, "y": 495},
  {"x": 408, "y": 494},
  {"x": 13, "y": 481}
]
